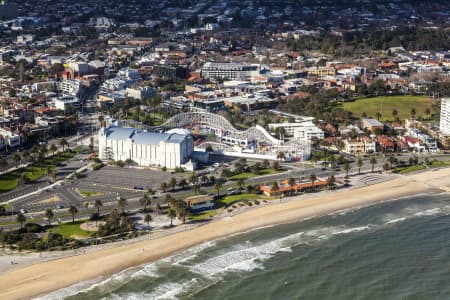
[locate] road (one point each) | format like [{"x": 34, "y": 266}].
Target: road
[{"x": 111, "y": 182}]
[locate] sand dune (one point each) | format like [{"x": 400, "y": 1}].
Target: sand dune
[{"x": 30, "y": 281}]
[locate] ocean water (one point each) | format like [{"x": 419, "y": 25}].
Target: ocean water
[{"x": 393, "y": 250}]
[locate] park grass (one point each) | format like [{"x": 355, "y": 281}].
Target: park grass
[
  {"x": 228, "y": 200},
  {"x": 9, "y": 181},
  {"x": 409, "y": 169},
  {"x": 202, "y": 216},
  {"x": 247, "y": 175},
  {"x": 34, "y": 173},
  {"x": 87, "y": 194},
  {"x": 403, "y": 105},
  {"x": 70, "y": 230},
  {"x": 439, "y": 164}
]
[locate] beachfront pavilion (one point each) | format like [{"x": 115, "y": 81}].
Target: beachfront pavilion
[
  {"x": 199, "y": 202},
  {"x": 285, "y": 188}
]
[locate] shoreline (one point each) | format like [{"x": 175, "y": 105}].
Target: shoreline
[{"x": 42, "y": 278}]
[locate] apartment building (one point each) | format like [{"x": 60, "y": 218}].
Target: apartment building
[{"x": 230, "y": 71}]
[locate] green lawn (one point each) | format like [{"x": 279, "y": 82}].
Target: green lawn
[
  {"x": 69, "y": 229},
  {"x": 204, "y": 215},
  {"x": 10, "y": 180},
  {"x": 386, "y": 104},
  {"x": 247, "y": 175},
  {"x": 438, "y": 164},
  {"x": 404, "y": 170},
  {"x": 227, "y": 200},
  {"x": 36, "y": 172},
  {"x": 434, "y": 164}
]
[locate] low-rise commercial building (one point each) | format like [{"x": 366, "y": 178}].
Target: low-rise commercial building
[
  {"x": 67, "y": 103},
  {"x": 372, "y": 125}
]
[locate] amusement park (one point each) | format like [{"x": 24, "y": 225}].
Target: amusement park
[{"x": 214, "y": 133}]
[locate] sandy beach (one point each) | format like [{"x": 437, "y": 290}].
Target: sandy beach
[{"x": 38, "y": 279}]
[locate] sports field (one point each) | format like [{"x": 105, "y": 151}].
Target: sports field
[{"x": 387, "y": 104}]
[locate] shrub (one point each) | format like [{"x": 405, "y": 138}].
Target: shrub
[{"x": 33, "y": 227}]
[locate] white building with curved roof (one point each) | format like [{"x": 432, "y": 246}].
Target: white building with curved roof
[{"x": 168, "y": 150}]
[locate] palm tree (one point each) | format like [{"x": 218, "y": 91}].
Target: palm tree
[
  {"x": 331, "y": 181},
  {"x": 392, "y": 160},
  {"x": 91, "y": 144},
  {"x": 281, "y": 155},
  {"x": 413, "y": 112},
  {"x": 148, "y": 219},
  {"x": 23, "y": 178},
  {"x": 52, "y": 174},
  {"x": 276, "y": 165},
  {"x": 240, "y": 182},
  {"x": 122, "y": 202},
  {"x": 378, "y": 115},
  {"x": 212, "y": 179},
  {"x": 163, "y": 187},
  {"x": 43, "y": 149},
  {"x": 204, "y": 179},
  {"x": 347, "y": 168},
  {"x": 16, "y": 157},
  {"x": 395, "y": 113},
  {"x": 98, "y": 204},
  {"x": 173, "y": 183},
  {"x": 195, "y": 188},
  {"x": 21, "y": 219},
  {"x": 182, "y": 183},
  {"x": 53, "y": 149},
  {"x": 26, "y": 154},
  {"x": 170, "y": 200},
  {"x": 291, "y": 182},
  {"x": 373, "y": 162},
  {"x": 275, "y": 187},
  {"x": 73, "y": 211},
  {"x": 313, "y": 179},
  {"x": 265, "y": 163},
  {"x": 41, "y": 157},
  {"x": 34, "y": 150},
  {"x": 218, "y": 185},
  {"x": 63, "y": 143},
  {"x": 182, "y": 212},
  {"x": 360, "y": 164},
  {"x": 49, "y": 214},
  {"x": 386, "y": 167},
  {"x": 193, "y": 179},
  {"x": 3, "y": 164},
  {"x": 171, "y": 214},
  {"x": 428, "y": 112},
  {"x": 49, "y": 171},
  {"x": 145, "y": 201}
]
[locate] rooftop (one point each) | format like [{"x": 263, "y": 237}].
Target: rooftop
[{"x": 142, "y": 137}]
